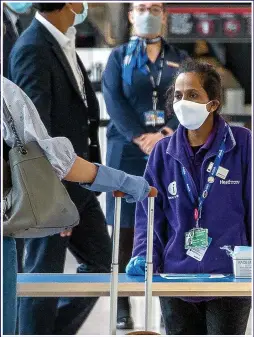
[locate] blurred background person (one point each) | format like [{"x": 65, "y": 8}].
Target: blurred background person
[
  {"x": 13, "y": 27},
  {"x": 134, "y": 84}
]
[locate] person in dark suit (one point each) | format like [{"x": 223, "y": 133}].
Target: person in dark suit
[
  {"x": 13, "y": 27},
  {"x": 45, "y": 65}
]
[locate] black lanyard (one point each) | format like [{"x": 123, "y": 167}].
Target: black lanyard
[{"x": 156, "y": 83}]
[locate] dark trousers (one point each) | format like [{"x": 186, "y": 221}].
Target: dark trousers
[
  {"x": 221, "y": 316},
  {"x": 20, "y": 253},
  {"x": 9, "y": 285},
  {"x": 91, "y": 245},
  {"x": 125, "y": 251}
]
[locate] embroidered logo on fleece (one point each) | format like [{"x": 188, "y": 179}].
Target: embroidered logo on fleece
[{"x": 172, "y": 189}]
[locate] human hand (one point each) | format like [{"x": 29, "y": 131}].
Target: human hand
[
  {"x": 136, "y": 188},
  {"x": 169, "y": 130},
  {"x": 68, "y": 232},
  {"x": 136, "y": 266},
  {"x": 139, "y": 139},
  {"x": 148, "y": 142}
]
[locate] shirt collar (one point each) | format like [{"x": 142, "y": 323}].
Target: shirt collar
[
  {"x": 71, "y": 34},
  {"x": 176, "y": 146},
  {"x": 67, "y": 40}
]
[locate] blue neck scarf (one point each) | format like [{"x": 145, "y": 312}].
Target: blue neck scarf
[{"x": 136, "y": 57}]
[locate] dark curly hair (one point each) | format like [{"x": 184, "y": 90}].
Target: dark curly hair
[
  {"x": 210, "y": 80},
  {"x": 48, "y": 6}
]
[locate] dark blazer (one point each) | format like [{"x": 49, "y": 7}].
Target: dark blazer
[
  {"x": 38, "y": 65},
  {"x": 9, "y": 39}
]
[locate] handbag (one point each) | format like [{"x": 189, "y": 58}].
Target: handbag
[{"x": 36, "y": 204}]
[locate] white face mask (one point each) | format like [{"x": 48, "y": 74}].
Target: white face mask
[
  {"x": 147, "y": 24},
  {"x": 191, "y": 114}
]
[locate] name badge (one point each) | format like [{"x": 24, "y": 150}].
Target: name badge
[
  {"x": 154, "y": 118},
  {"x": 221, "y": 172},
  {"x": 197, "y": 237},
  {"x": 198, "y": 253}
]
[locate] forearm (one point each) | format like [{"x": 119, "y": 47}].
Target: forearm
[
  {"x": 82, "y": 171},
  {"x": 100, "y": 178}
]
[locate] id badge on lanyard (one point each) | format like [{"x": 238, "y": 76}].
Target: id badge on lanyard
[
  {"x": 155, "y": 117},
  {"x": 197, "y": 237}
]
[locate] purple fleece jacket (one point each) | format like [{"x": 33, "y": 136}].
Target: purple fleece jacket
[{"x": 226, "y": 211}]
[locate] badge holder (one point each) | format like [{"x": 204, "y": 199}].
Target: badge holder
[
  {"x": 155, "y": 117},
  {"x": 196, "y": 237}
]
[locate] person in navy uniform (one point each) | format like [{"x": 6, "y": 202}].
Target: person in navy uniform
[{"x": 134, "y": 84}]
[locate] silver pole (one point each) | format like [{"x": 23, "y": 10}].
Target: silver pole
[
  {"x": 114, "y": 268},
  {"x": 149, "y": 266}
]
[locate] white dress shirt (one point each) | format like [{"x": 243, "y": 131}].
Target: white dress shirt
[
  {"x": 67, "y": 44},
  {"x": 13, "y": 19},
  {"x": 30, "y": 127}
]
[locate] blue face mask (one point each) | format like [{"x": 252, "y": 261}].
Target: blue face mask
[
  {"x": 19, "y": 7},
  {"x": 80, "y": 17}
]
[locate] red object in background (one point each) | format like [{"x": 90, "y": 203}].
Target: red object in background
[
  {"x": 231, "y": 27},
  {"x": 205, "y": 27},
  {"x": 209, "y": 10}
]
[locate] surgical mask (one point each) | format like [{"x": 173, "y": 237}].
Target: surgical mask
[
  {"x": 147, "y": 23},
  {"x": 19, "y": 7},
  {"x": 80, "y": 17},
  {"x": 191, "y": 114}
]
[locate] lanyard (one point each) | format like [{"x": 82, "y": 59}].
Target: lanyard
[
  {"x": 210, "y": 180},
  {"x": 83, "y": 89},
  {"x": 83, "y": 92},
  {"x": 155, "y": 84}
]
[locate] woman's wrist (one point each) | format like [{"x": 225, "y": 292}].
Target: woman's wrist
[{"x": 163, "y": 132}]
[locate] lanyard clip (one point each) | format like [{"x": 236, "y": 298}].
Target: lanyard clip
[
  {"x": 155, "y": 100},
  {"x": 197, "y": 215}
]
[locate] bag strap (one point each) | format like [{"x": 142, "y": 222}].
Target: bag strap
[{"x": 10, "y": 121}]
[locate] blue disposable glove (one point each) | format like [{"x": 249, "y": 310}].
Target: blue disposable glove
[
  {"x": 109, "y": 179},
  {"x": 136, "y": 266}
]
